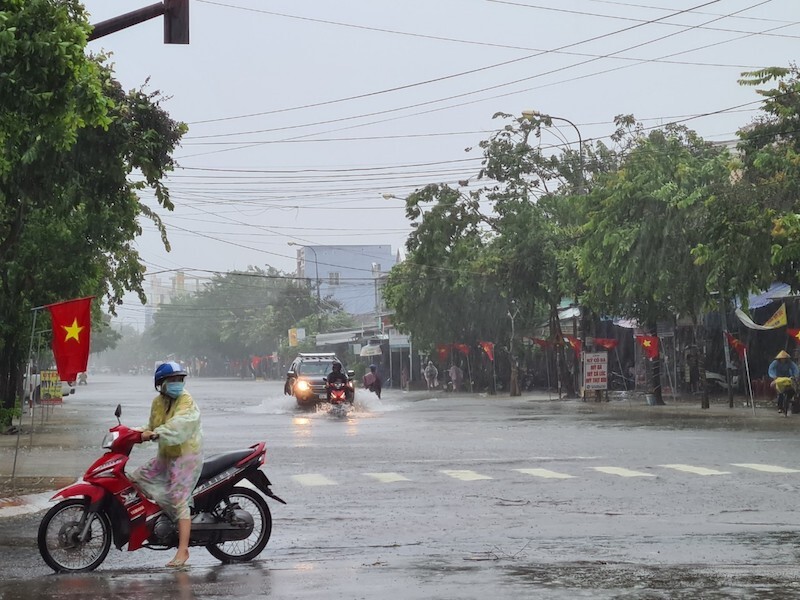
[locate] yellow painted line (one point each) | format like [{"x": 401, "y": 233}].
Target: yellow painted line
[
  {"x": 313, "y": 479},
  {"x": 465, "y": 475},
  {"x": 622, "y": 472},
  {"x": 545, "y": 473},
  {"x": 766, "y": 468},
  {"x": 696, "y": 470},
  {"x": 387, "y": 477}
]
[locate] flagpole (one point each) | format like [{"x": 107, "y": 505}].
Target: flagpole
[
  {"x": 749, "y": 383},
  {"x": 30, "y": 396}
]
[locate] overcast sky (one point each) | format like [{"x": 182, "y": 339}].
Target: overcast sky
[{"x": 304, "y": 113}]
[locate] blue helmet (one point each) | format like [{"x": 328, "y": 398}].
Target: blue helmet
[
  {"x": 373, "y": 367},
  {"x": 165, "y": 370}
]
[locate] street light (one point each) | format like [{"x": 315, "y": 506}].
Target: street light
[{"x": 532, "y": 114}]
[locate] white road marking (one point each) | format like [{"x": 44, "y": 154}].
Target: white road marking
[
  {"x": 766, "y": 468},
  {"x": 622, "y": 472},
  {"x": 545, "y": 473},
  {"x": 387, "y": 477},
  {"x": 313, "y": 479},
  {"x": 464, "y": 475},
  {"x": 696, "y": 470}
]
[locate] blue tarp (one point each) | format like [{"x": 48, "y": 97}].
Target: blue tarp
[{"x": 775, "y": 292}]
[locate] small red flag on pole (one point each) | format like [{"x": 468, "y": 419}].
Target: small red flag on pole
[
  {"x": 575, "y": 344},
  {"x": 649, "y": 344},
  {"x": 71, "y": 329},
  {"x": 737, "y": 345},
  {"x": 488, "y": 347},
  {"x": 607, "y": 343},
  {"x": 794, "y": 333}
]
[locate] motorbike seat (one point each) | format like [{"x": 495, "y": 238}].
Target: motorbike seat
[{"x": 218, "y": 463}]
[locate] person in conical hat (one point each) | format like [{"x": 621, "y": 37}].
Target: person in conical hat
[{"x": 781, "y": 371}]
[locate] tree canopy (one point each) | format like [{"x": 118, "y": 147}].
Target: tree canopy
[{"x": 77, "y": 152}]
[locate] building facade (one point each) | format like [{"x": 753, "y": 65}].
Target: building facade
[{"x": 350, "y": 275}]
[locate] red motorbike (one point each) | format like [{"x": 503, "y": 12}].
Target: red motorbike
[
  {"x": 340, "y": 397},
  {"x": 233, "y": 522}
]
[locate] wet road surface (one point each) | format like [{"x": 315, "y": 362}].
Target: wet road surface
[{"x": 457, "y": 497}]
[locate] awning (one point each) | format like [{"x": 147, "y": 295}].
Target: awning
[{"x": 338, "y": 337}]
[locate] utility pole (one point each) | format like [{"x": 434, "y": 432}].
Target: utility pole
[{"x": 176, "y": 21}]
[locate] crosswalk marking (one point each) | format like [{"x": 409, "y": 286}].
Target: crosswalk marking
[
  {"x": 545, "y": 473},
  {"x": 622, "y": 472},
  {"x": 387, "y": 477},
  {"x": 696, "y": 470},
  {"x": 313, "y": 479},
  {"x": 766, "y": 468},
  {"x": 464, "y": 475}
]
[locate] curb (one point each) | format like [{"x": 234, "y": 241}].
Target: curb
[{"x": 25, "y": 505}]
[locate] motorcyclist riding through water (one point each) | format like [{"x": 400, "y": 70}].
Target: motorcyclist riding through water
[{"x": 336, "y": 375}]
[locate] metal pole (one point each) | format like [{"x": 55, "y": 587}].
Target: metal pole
[
  {"x": 30, "y": 397},
  {"x": 749, "y": 383},
  {"x": 727, "y": 350}
]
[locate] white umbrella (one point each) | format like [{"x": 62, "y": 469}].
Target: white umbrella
[{"x": 370, "y": 350}]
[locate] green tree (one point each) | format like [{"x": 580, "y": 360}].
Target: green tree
[
  {"x": 71, "y": 140},
  {"x": 644, "y": 219}
]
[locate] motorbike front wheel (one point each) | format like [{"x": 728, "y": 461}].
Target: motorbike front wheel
[
  {"x": 246, "y": 549},
  {"x": 59, "y": 534}
]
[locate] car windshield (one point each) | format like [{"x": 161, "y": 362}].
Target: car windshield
[{"x": 314, "y": 368}]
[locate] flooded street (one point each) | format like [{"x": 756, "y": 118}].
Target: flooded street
[{"x": 446, "y": 496}]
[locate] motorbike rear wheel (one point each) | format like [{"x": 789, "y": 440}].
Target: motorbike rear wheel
[
  {"x": 58, "y": 538},
  {"x": 247, "y": 549}
]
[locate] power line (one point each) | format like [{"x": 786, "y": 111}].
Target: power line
[
  {"x": 438, "y": 38},
  {"x": 460, "y": 74}
]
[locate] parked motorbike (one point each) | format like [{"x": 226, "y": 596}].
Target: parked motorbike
[
  {"x": 233, "y": 523},
  {"x": 338, "y": 398}
]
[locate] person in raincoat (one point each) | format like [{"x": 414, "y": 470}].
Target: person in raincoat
[
  {"x": 431, "y": 376},
  {"x": 372, "y": 381},
  {"x": 781, "y": 371},
  {"x": 170, "y": 478}
]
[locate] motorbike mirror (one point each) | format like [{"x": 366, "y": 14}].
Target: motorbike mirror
[
  {"x": 351, "y": 373},
  {"x": 118, "y": 412},
  {"x": 325, "y": 379}
]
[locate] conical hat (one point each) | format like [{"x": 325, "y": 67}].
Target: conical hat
[{"x": 783, "y": 354}]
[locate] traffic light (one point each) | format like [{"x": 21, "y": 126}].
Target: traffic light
[{"x": 176, "y": 21}]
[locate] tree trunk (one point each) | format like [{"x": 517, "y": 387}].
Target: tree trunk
[{"x": 564, "y": 378}]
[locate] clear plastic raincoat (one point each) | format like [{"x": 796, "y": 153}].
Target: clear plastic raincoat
[{"x": 171, "y": 476}]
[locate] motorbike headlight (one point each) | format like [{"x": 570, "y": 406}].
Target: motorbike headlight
[
  {"x": 109, "y": 438},
  {"x": 302, "y": 386}
]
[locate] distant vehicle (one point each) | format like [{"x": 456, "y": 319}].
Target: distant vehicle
[{"x": 305, "y": 379}]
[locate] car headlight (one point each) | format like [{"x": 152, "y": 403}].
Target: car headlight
[
  {"x": 302, "y": 386},
  {"x": 108, "y": 439}
]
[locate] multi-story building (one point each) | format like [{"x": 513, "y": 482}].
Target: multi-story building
[
  {"x": 350, "y": 275},
  {"x": 162, "y": 292}
]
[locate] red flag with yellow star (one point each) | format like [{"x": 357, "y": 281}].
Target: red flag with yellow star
[
  {"x": 71, "y": 328},
  {"x": 649, "y": 345},
  {"x": 794, "y": 333}
]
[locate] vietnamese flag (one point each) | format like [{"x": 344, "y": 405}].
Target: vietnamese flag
[
  {"x": 737, "y": 345},
  {"x": 650, "y": 345},
  {"x": 794, "y": 333},
  {"x": 71, "y": 328},
  {"x": 607, "y": 343},
  {"x": 463, "y": 348},
  {"x": 442, "y": 350},
  {"x": 575, "y": 344},
  {"x": 488, "y": 347}
]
